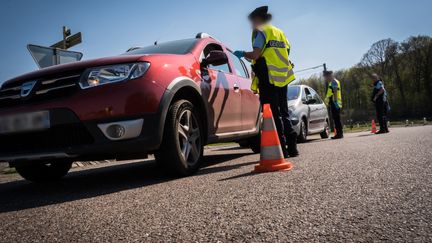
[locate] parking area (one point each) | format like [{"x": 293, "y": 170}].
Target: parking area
[{"x": 374, "y": 187}]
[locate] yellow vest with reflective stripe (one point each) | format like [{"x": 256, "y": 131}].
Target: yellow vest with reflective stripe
[
  {"x": 275, "y": 52},
  {"x": 339, "y": 93}
]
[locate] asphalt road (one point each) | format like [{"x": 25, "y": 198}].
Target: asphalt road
[{"x": 362, "y": 188}]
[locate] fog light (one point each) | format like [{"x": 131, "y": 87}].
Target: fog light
[
  {"x": 121, "y": 130},
  {"x": 116, "y": 131}
]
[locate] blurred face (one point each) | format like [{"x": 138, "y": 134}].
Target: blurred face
[
  {"x": 328, "y": 78},
  {"x": 375, "y": 77},
  {"x": 256, "y": 22}
]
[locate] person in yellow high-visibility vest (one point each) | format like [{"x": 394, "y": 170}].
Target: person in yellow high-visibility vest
[
  {"x": 334, "y": 97},
  {"x": 380, "y": 99},
  {"x": 273, "y": 72}
]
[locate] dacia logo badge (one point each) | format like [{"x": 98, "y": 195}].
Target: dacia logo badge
[{"x": 26, "y": 88}]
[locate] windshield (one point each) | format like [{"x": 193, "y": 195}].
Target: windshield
[
  {"x": 293, "y": 92},
  {"x": 172, "y": 47}
]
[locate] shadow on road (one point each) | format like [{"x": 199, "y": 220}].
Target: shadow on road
[
  {"x": 19, "y": 195},
  {"x": 316, "y": 140},
  {"x": 239, "y": 176},
  {"x": 224, "y": 168},
  {"x": 229, "y": 148},
  {"x": 366, "y": 135}
]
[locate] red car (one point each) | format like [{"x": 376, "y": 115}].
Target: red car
[{"x": 169, "y": 99}]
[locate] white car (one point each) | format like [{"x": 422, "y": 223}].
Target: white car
[{"x": 308, "y": 113}]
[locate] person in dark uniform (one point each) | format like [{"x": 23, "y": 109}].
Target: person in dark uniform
[
  {"x": 334, "y": 97},
  {"x": 379, "y": 97},
  {"x": 273, "y": 72}
]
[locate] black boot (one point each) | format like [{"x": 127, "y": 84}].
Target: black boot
[
  {"x": 337, "y": 136},
  {"x": 385, "y": 125},
  {"x": 292, "y": 145},
  {"x": 285, "y": 152},
  {"x": 381, "y": 132}
]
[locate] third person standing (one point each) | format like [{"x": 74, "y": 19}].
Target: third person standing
[{"x": 334, "y": 96}]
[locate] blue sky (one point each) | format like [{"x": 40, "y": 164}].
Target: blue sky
[{"x": 337, "y": 32}]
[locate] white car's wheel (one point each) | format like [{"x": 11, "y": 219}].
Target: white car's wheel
[{"x": 302, "y": 137}]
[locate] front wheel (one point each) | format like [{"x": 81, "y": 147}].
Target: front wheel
[
  {"x": 255, "y": 144},
  {"x": 39, "y": 172},
  {"x": 182, "y": 147},
  {"x": 302, "y": 137}
]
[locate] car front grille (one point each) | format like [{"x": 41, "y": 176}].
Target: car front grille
[
  {"x": 57, "y": 137},
  {"x": 43, "y": 89}
]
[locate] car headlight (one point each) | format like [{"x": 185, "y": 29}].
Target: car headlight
[
  {"x": 98, "y": 76},
  {"x": 291, "y": 109}
]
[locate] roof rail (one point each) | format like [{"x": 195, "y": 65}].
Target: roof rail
[
  {"x": 133, "y": 48},
  {"x": 202, "y": 35}
]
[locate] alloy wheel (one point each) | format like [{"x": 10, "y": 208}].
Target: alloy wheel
[
  {"x": 304, "y": 130},
  {"x": 189, "y": 136}
]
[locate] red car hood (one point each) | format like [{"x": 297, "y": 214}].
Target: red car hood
[{"x": 75, "y": 66}]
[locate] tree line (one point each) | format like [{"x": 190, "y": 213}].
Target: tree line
[{"x": 406, "y": 70}]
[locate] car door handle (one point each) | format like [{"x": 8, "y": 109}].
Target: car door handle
[{"x": 236, "y": 87}]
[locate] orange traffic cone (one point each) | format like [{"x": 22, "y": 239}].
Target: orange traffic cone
[
  {"x": 374, "y": 128},
  {"x": 271, "y": 158}
]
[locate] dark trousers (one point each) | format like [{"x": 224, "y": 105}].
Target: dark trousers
[
  {"x": 381, "y": 113},
  {"x": 278, "y": 100},
  {"x": 336, "y": 118},
  {"x": 277, "y": 97}
]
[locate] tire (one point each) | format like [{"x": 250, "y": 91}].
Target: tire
[
  {"x": 44, "y": 172},
  {"x": 255, "y": 144},
  {"x": 326, "y": 133},
  {"x": 244, "y": 144},
  {"x": 302, "y": 137},
  {"x": 181, "y": 151}
]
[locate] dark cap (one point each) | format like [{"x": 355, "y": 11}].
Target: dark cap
[
  {"x": 327, "y": 73},
  {"x": 261, "y": 12}
]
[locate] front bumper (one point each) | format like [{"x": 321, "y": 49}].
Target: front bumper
[
  {"x": 71, "y": 138},
  {"x": 295, "y": 121}
]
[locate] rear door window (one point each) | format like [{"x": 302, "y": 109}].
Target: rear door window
[
  {"x": 247, "y": 70},
  {"x": 238, "y": 66}
]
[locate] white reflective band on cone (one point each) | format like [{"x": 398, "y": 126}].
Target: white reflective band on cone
[{"x": 271, "y": 152}]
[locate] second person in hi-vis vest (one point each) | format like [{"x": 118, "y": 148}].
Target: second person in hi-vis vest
[
  {"x": 273, "y": 72},
  {"x": 334, "y": 97}
]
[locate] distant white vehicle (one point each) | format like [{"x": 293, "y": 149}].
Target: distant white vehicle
[{"x": 308, "y": 113}]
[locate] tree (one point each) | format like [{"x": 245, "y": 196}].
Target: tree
[{"x": 406, "y": 69}]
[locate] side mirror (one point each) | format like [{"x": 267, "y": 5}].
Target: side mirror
[
  {"x": 310, "y": 100},
  {"x": 216, "y": 58}
]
